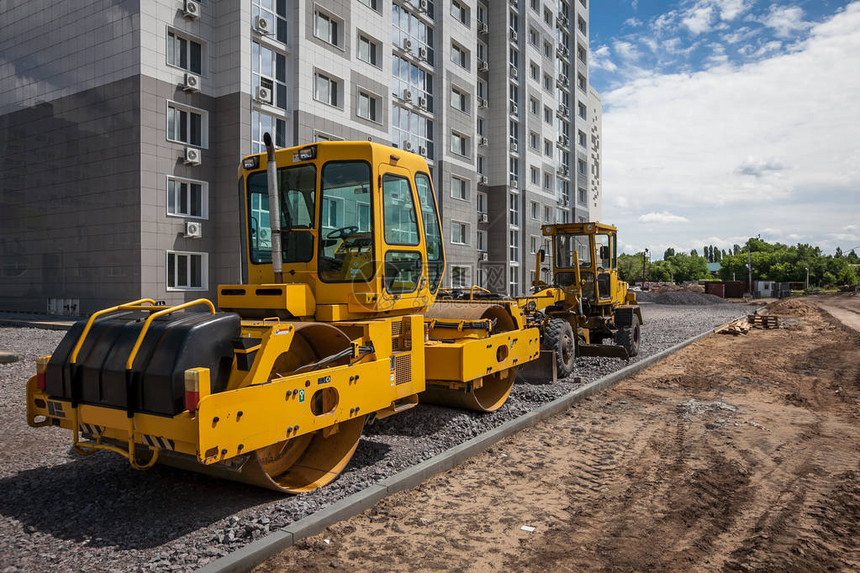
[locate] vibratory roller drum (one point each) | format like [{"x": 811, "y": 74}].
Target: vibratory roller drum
[
  {"x": 485, "y": 394},
  {"x": 308, "y": 461}
]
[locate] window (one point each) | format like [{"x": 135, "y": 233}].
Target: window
[
  {"x": 274, "y": 12},
  {"x": 547, "y": 147},
  {"x": 534, "y": 5},
  {"x": 460, "y": 12},
  {"x": 534, "y": 37},
  {"x": 534, "y": 140},
  {"x": 515, "y": 248},
  {"x": 368, "y": 106},
  {"x": 262, "y": 123},
  {"x": 482, "y": 202},
  {"x": 460, "y": 277},
  {"x": 534, "y": 70},
  {"x": 184, "y": 53},
  {"x": 547, "y": 214},
  {"x": 187, "y": 125},
  {"x": 325, "y": 89},
  {"x": 547, "y": 82},
  {"x": 580, "y": 23},
  {"x": 581, "y": 53},
  {"x": 535, "y": 175},
  {"x": 460, "y": 100},
  {"x": 581, "y": 82},
  {"x": 459, "y": 233},
  {"x": 187, "y": 271},
  {"x": 582, "y": 110},
  {"x": 581, "y": 167},
  {"x": 459, "y": 144},
  {"x": 547, "y": 181},
  {"x": 459, "y": 56},
  {"x": 535, "y": 210},
  {"x": 459, "y": 188},
  {"x": 269, "y": 69},
  {"x": 373, "y": 4},
  {"x": 583, "y": 196},
  {"x": 582, "y": 138},
  {"x": 534, "y": 106},
  {"x": 187, "y": 198},
  {"x": 534, "y": 244},
  {"x": 481, "y": 240},
  {"x": 547, "y": 115},
  {"x": 326, "y": 28},
  {"x": 368, "y": 50},
  {"x": 547, "y": 16}
]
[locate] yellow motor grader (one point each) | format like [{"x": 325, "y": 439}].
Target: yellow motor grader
[
  {"x": 335, "y": 324},
  {"x": 585, "y": 304}
]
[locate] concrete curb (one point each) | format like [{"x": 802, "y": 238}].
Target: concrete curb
[
  {"x": 43, "y": 324},
  {"x": 258, "y": 551}
]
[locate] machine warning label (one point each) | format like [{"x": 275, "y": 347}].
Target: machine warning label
[
  {"x": 324, "y": 380},
  {"x": 301, "y": 395}
]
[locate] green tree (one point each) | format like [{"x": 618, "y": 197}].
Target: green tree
[
  {"x": 668, "y": 253},
  {"x": 688, "y": 267},
  {"x": 660, "y": 271}
]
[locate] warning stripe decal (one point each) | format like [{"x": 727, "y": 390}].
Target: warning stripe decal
[
  {"x": 91, "y": 429},
  {"x": 157, "y": 442}
]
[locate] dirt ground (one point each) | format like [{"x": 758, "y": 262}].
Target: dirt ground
[{"x": 739, "y": 453}]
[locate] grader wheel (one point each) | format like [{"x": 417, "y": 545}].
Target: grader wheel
[
  {"x": 558, "y": 336},
  {"x": 487, "y": 394},
  {"x": 628, "y": 337}
]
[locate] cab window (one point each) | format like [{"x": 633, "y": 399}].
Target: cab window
[
  {"x": 398, "y": 207},
  {"x": 567, "y": 245},
  {"x": 296, "y": 193},
  {"x": 433, "y": 237},
  {"x": 346, "y": 223}
]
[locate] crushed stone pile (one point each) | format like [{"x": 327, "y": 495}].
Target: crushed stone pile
[{"x": 789, "y": 307}]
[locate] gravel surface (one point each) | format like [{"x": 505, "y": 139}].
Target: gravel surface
[
  {"x": 681, "y": 298},
  {"x": 63, "y": 512}
]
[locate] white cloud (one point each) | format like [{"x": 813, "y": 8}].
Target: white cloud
[
  {"x": 602, "y": 60},
  {"x": 732, "y": 147},
  {"x": 626, "y": 51},
  {"x": 731, "y": 9},
  {"x": 785, "y": 20},
  {"x": 662, "y": 217},
  {"x": 698, "y": 20}
]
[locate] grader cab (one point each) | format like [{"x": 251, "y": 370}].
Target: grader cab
[
  {"x": 584, "y": 304},
  {"x": 336, "y": 323}
]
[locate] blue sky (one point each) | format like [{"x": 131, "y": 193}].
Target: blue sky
[{"x": 725, "y": 119}]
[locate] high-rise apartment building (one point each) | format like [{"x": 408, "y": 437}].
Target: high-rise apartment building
[{"x": 122, "y": 124}]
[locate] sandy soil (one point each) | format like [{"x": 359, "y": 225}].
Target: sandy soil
[{"x": 736, "y": 454}]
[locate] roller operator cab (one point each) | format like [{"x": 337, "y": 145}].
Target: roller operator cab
[
  {"x": 274, "y": 387},
  {"x": 360, "y": 234}
]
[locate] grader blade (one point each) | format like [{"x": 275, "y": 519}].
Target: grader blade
[{"x": 604, "y": 350}]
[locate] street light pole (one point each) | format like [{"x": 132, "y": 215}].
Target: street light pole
[
  {"x": 644, "y": 268},
  {"x": 807, "y": 278}
]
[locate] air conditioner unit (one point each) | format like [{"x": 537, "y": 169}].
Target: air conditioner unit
[
  {"x": 483, "y": 66},
  {"x": 483, "y": 142},
  {"x": 422, "y": 5},
  {"x": 482, "y": 102},
  {"x": 192, "y": 156},
  {"x": 407, "y": 94},
  {"x": 407, "y": 145},
  {"x": 482, "y": 218},
  {"x": 422, "y": 53},
  {"x": 407, "y": 44},
  {"x": 422, "y": 102},
  {"x": 566, "y": 51},
  {"x": 191, "y": 9},
  {"x": 515, "y": 109},
  {"x": 191, "y": 83},
  {"x": 514, "y": 183},
  {"x": 263, "y": 94},
  {"x": 562, "y": 80},
  {"x": 565, "y": 170},
  {"x": 482, "y": 180},
  {"x": 513, "y": 72},
  {"x": 483, "y": 28},
  {"x": 193, "y": 229},
  {"x": 514, "y": 36},
  {"x": 422, "y": 151},
  {"x": 561, "y": 140},
  {"x": 566, "y": 140},
  {"x": 482, "y": 256},
  {"x": 515, "y": 147},
  {"x": 514, "y": 3},
  {"x": 262, "y": 25}
]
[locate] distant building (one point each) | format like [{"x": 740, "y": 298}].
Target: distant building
[{"x": 122, "y": 125}]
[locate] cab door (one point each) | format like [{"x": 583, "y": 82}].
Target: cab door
[{"x": 404, "y": 279}]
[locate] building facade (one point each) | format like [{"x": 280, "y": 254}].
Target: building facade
[{"x": 122, "y": 124}]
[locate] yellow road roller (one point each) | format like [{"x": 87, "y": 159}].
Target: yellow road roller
[{"x": 335, "y": 323}]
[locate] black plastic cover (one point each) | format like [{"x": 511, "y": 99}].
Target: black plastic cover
[{"x": 173, "y": 344}]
